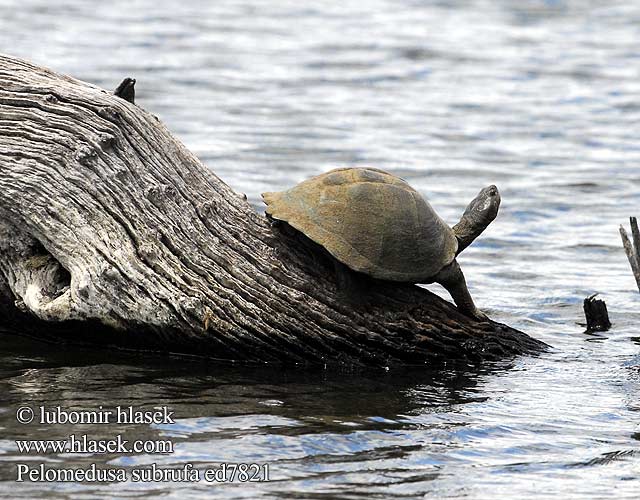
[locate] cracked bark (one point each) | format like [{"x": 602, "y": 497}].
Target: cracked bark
[{"x": 112, "y": 232}]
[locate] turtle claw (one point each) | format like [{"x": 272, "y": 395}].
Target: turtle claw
[{"x": 479, "y": 316}]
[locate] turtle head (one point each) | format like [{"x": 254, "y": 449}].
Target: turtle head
[{"x": 478, "y": 215}]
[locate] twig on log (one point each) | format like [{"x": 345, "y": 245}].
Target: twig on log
[
  {"x": 126, "y": 90},
  {"x": 595, "y": 310},
  {"x": 632, "y": 250}
]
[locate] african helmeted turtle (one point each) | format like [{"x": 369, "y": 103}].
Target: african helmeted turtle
[{"x": 375, "y": 223}]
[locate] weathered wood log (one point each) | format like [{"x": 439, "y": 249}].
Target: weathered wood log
[
  {"x": 111, "y": 231},
  {"x": 632, "y": 249}
]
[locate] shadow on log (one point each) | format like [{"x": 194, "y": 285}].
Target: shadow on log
[{"x": 112, "y": 232}]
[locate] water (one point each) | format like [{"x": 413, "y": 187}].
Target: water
[{"x": 540, "y": 98}]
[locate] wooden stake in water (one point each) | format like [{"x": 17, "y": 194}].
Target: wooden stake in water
[
  {"x": 595, "y": 310},
  {"x": 632, "y": 249}
]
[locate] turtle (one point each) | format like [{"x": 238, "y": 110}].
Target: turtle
[{"x": 375, "y": 223}]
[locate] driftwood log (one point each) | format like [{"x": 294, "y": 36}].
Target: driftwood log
[{"x": 112, "y": 232}]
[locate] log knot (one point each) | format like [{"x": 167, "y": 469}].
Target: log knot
[
  {"x": 85, "y": 154},
  {"x": 148, "y": 252},
  {"x": 159, "y": 194},
  {"x": 207, "y": 208},
  {"x": 107, "y": 141},
  {"x": 110, "y": 113}
]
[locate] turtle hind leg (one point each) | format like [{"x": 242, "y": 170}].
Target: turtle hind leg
[
  {"x": 350, "y": 285},
  {"x": 452, "y": 278}
]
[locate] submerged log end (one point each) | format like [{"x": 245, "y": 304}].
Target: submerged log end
[{"x": 595, "y": 311}]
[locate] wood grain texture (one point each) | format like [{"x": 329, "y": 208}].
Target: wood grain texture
[{"x": 112, "y": 231}]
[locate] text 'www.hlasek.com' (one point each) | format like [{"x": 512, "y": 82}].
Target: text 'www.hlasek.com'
[{"x": 84, "y": 445}]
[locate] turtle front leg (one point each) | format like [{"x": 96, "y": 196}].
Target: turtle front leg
[{"x": 452, "y": 278}]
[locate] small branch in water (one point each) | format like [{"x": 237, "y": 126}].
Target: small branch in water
[
  {"x": 632, "y": 249},
  {"x": 595, "y": 310}
]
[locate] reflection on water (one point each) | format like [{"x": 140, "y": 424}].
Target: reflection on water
[
  {"x": 538, "y": 97},
  {"x": 402, "y": 433}
]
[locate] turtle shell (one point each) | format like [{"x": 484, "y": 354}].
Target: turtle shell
[{"x": 369, "y": 220}]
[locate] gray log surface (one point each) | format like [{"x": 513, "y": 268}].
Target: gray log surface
[{"x": 111, "y": 231}]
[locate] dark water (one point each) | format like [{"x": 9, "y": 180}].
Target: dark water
[{"x": 540, "y": 98}]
